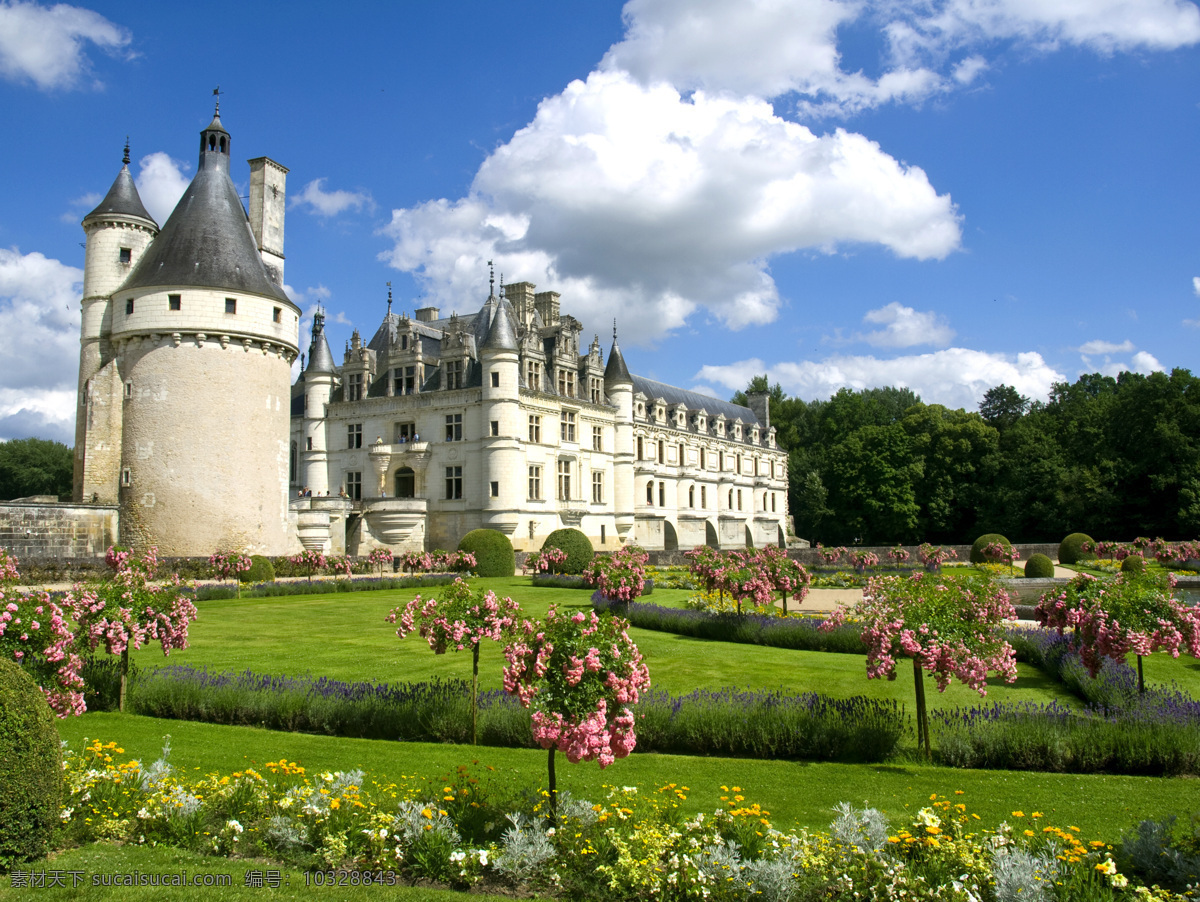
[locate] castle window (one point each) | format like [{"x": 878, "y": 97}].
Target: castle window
[
  {"x": 535, "y": 483},
  {"x": 308, "y": 443},
  {"x": 703, "y": 460},
  {"x": 533, "y": 375},
  {"x": 129, "y": 389},
  {"x": 772, "y": 502},
  {"x": 640, "y": 447},
  {"x": 535, "y": 429},
  {"x": 495, "y": 486},
  {"x": 566, "y": 383},
  {"x": 650, "y": 492},
  {"x": 454, "y": 431},
  {"x": 126, "y": 255},
  {"x": 597, "y": 487},
  {"x": 277, "y": 315},
  {"x": 662, "y": 494},
  {"x": 739, "y": 499},
  {"x": 406, "y": 483},
  {"x": 403, "y": 432},
  {"x": 662, "y": 451},
  {"x": 738, "y": 466},
  {"x": 703, "y": 497},
  {"x": 721, "y": 461},
  {"x": 691, "y": 496},
  {"x": 682, "y": 459},
  {"x": 293, "y": 465},
  {"x": 495, "y": 427},
  {"x": 129, "y": 306},
  {"x": 596, "y": 390},
  {"x": 403, "y": 342},
  {"x": 564, "y": 480},
  {"x": 454, "y": 374},
  {"x": 495, "y": 380},
  {"x": 231, "y": 305},
  {"x": 597, "y": 438},
  {"x": 405, "y": 380},
  {"x": 354, "y": 435},
  {"x": 354, "y": 485},
  {"x": 174, "y": 302},
  {"x": 354, "y": 387},
  {"x": 454, "y": 483},
  {"x": 567, "y": 425},
  {"x": 126, "y": 476}
]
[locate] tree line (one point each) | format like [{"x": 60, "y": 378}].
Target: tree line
[
  {"x": 35, "y": 466},
  {"x": 1113, "y": 457}
]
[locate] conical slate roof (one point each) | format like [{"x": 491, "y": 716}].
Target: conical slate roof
[
  {"x": 616, "y": 370},
  {"x": 207, "y": 241},
  {"x": 320, "y": 358},
  {"x": 122, "y": 198},
  {"x": 501, "y": 336}
]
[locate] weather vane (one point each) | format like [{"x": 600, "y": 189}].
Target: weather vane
[
  {"x": 217, "y": 92},
  {"x": 491, "y": 278}
]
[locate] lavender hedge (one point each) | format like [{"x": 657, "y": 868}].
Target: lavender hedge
[{"x": 756, "y": 724}]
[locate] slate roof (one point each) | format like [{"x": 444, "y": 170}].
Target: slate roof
[
  {"x": 692, "y": 400},
  {"x": 122, "y": 199}
]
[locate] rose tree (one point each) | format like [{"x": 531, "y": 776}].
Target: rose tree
[
  {"x": 1111, "y": 618},
  {"x": 460, "y": 619},
  {"x": 580, "y": 674},
  {"x": 950, "y": 628},
  {"x": 130, "y": 610},
  {"x": 228, "y": 564},
  {"x": 621, "y": 577}
]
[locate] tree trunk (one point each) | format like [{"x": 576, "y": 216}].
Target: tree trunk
[
  {"x": 553, "y": 792},
  {"x": 124, "y": 678},
  {"x": 474, "y": 694},
  {"x": 922, "y": 715},
  {"x": 1141, "y": 680}
]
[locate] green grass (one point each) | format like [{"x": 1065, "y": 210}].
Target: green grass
[
  {"x": 796, "y": 793},
  {"x": 344, "y": 636}
]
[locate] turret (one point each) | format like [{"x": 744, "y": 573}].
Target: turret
[
  {"x": 319, "y": 379},
  {"x": 118, "y": 232},
  {"x": 503, "y": 485},
  {"x": 618, "y": 385}
]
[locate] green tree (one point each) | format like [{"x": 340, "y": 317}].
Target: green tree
[
  {"x": 1002, "y": 406},
  {"x": 34, "y": 466},
  {"x": 872, "y": 477}
]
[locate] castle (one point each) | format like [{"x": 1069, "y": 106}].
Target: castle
[{"x": 435, "y": 426}]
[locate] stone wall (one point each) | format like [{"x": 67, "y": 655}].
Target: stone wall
[{"x": 32, "y": 530}]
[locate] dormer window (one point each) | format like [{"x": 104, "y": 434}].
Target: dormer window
[{"x": 454, "y": 374}]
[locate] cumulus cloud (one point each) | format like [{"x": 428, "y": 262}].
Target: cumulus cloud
[
  {"x": 1098, "y": 346},
  {"x": 1099, "y": 357},
  {"x": 1196, "y": 285},
  {"x": 955, "y": 377},
  {"x": 329, "y": 203},
  {"x": 81, "y": 206},
  {"x": 644, "y": 203},
  {"x": 904, "y": 327},
  {"x": 161, "y": 181},
  {"x": 47, "y": 45},
  {"x": 39, "y": 301}
]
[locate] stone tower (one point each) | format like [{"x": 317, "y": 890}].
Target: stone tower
[
  {"x": 201, "y": 336},
  {"x": 503, "y": 462},
  {"x": 618, "y": 384}
]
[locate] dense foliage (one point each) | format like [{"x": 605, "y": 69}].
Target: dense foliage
[
  {"x": 1039, "y": 567},
  {"x": 492, "y": 550},
  {"x": 1076, "y": 547},
  {"x": 35, "y": 466},
  {"x": 30, "y": 768},
  {"x": 577, "y": 546},
  {"x": 1110, "y": 455}
]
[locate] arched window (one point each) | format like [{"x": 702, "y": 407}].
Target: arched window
[
  {"x": 406, "y": 483},
  {"x": 639, "y": 447},
  {"x": 650, "y": 492},
  {"x": 692, "y": 496}
]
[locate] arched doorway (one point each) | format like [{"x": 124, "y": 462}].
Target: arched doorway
[
  {"x": 406, "y": 483},
  {"x": 710, "y": 535},
  {"x": 749, "y": 538},
  {"x": 782, "y": 538},
  {"x": 670, "y": 537}
]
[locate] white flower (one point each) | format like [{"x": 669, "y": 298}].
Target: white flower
[
  {"x": 1108, "y": 867},
  {"x": 234, "y": 826},
  {"x": 1120, "y": 881},
  {"x": 66, "y": 813},
  {"x": 144, "y": 814},
  {"x": 456, "y": 857},
  {"x": 285, "y": 802},
  {"x": 483, "y": 859},
  {"x": 926, "y": 818}
]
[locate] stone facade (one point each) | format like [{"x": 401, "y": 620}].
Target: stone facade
[
  {"x": 57, "y": 530},
  {"x": 501, "y": 419}
]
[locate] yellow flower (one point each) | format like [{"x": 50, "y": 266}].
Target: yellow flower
[{"x": 335, "y": 804}]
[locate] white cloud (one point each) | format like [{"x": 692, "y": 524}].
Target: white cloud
[
  {"x": 329, "y": 203},
  {"x": 1196, "y": 285},
  {"x": 80, "y": 207},
  {"x": 1098, "y": 346},
  {"x": 955, "y": 377},
  {"x": 639, "y": 202},
  {"x": 904, "y": 327},
  {"x": 161, "y": 181},
  {"x": 39, "y": 301},
  {"x": 47, "y": 45}
]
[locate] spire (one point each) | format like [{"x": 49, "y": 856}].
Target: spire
[
  {"x": 122, "y": 198},
  {"x": 389, "y": 313},
  {"x": 501, "y": 336},
  {"x": 214, "y": 140},
  {"x": 320, "y": 358},
  {"x": 491, "y": 280},
  {"x": 616, "y": 371}
]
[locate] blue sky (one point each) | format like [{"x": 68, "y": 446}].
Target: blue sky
[{"x": 946, "y": 194}]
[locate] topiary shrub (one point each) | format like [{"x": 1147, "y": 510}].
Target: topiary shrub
[
  {"x": 1135, "y": 563},
  {"x": 577, "y": 546},
  {"x": 977, "y": 555},
  {"x": 30, "y": 768},
  {"x": 494, "y": 555},
  {"x": 261, "y": 570},
  {"x": 1039, "y": 567},
  {"x": 1070, "y": 549}
]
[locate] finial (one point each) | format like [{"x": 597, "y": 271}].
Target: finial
[
  {"x": 301, "y": 360},
  {"x": 501, "y": 284},
  {"x": 125, "y": 159},
  {"x": 217, "y": 94},
  {"x": 389, "y": 284},
  {"x": 491, "y": 279},
  {"x": 614, "y": 330}
]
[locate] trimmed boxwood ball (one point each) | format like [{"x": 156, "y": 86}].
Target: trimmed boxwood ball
[
  {"x": 577, "y": 546},
  {"x": 494, "y": 555},
  {"x": 1070, "y": 549},
  {"x": 30, "y": 768},
  {"x": 1039, "y": 567},
  {"x": 1135, "y": 563},
  {"x": 977, "y": 555},
  {"x": 261, "y": 570}
]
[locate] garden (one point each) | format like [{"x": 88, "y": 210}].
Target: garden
[{"x": 707, "y": 740}]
